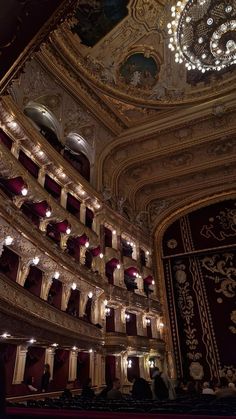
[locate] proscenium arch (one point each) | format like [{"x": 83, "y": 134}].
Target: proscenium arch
[{"x": 160, "y": 229}]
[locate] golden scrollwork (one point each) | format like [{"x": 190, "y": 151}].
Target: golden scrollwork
[{"x": 222, "y": 272}]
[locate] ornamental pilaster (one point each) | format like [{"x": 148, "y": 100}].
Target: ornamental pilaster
[
  {"x": 141, "y": 331},
  {"x": 82, "y": 253},
  {"x": 98, "y": 265},
  {"x": 82, "y": 302},
  {"x": 82, "y": 213},
  {"x": 66, "y": 292},
  {"x": 19, "y": 370},
  {"x": 144, "y": 367},
  {"x": 15, "y": 149},
  {"x": 120, "y": 320},
  {"x": 118, "y": 277},
  {"x": 73, "y": 365},
  {"x": 23, "y": 270},
  {"x": 46, "y": 285}
]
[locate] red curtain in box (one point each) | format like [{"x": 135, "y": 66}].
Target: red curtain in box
[
  {"x": 60, "y": 369},
  {"x": 9, "y": 263},
  {"x": 5, "y": 139},
  {"x": 55, "y": 294},
  {"x": 34, "y": 365},
  {"x": 52, "y": 187},
  {"x": 73, "y": 205},
  {"x": 83, "y": 363},
  {"x": 110, "y": 369},
  {"x": 29, "y": 164},
  {"x": 8, "y": 356},
  {"x": 33, "y": 281}
]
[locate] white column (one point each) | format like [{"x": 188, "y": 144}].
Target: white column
[
  {"x": 140, "y": 328},
  {"x": 98, "y": 370},
  {"x": 73, "y": 365},
  {"x": 63, "y": 200},
  {"x": 49, "y": 359},
  {"x": 23, "y": 270},
  {"x": 66, "y": 292},
  {"x": 20, "y": 360},
  {"x": 144, "y": 367},
  {"x": 46, "y": 285}
]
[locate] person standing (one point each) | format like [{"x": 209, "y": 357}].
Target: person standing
[{"x": 45, "y": 378}]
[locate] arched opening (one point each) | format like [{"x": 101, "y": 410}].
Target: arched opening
[
  {"x": 73, "y": 303},
  {"x": 9, "y": 263},
  {"x": 33, "y": 281},
  {"x": 55, "y": 294},
  {"x": 79, "y": 153},
  {"x": 111, "y": 265}
]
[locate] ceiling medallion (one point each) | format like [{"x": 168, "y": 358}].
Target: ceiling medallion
[{"x": 203, "y": 34}]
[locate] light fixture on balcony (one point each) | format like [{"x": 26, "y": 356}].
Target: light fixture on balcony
[
  {"x": 8, "y": 240},
  {"x": 105, "y": 303},
  {"x": 101, "y": 255},
  {"x": 90, "y": 351},
  {"x": 161, "y": 325},
  {"x": 24, "y": 191},
  {"x": 48, "y": 213},
  {"x": 129, "y": 363},
  {"x": 5, "y": 335},
  {"x": 153, "y": 282},
  {"x": 148, "y": 321},
  {"x": 127, "y": 317},
  {"x": 107, "y": 311},
  {"x": 203, "y": 34},
  {"x": 118, "y": 266},
  {"x": 35, "y": 260},
  {"x": 151, "y": 363},
  {"x": 87, "y": 244},
  {"x": 32, "y": 340},
  {"x": 90, "y": 294},
  {"x": 73, "y": 286},
  {"x": 56, "y": 275},
  {"x": 55, "y": 345},
  {"x": 113, "y": 232},
  {"x": 74, "y": 348},
  {"x": 68, "y": 230}
]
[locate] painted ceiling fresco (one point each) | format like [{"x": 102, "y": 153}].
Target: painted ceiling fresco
[{"x": 95, "y": 19}]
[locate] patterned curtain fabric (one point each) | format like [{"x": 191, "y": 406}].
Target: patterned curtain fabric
[{"x": 199, "y": 257}]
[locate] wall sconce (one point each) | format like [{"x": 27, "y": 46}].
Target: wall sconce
[
  {"x": 55, "y": 345},
  {"x": 101, "y": 255},
  {"x": 56, "y": 275},
  {"x": 129, "y": 363},
  {"x": 48, "y": 213},
  {"x": 87, "y": 244},
  {"x": 68, "y": 230},
  {"x": 8, "y": 240},
  {"x": 35, "y": 260},
  {"x": 90, "y": 294},
  {"x": 151, "y": 363},
  {"x": 118, "y": 266},
  {"x": 148, "y": 322},
  {"x": 73, "y": 286},
  {"x": 24, "y": 191},
  {"x": 127, "y": 317},
  {"x": 5, "y": 335},
  {"x": 105, "y": 302},
  {"x": 147, "y": 253},
  {"x": 74, "y": 348},
  {"x": 90, "y": 351},
  {"x": 153, "y": 282},
  {"x": 113, "y": 232},
  {"x": 107, "y": 311},
  {"x": 32, "y": 340},
  {"x": 161, "y": 325}
]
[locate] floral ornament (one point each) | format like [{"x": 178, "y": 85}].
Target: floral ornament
[
  {"x": 172, "y": 244},
  {"x": 196, "y": 370},
  {"x": 233, "y": 318},
  {"x": 222, "y": 272}
]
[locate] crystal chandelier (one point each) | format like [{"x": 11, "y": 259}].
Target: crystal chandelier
[{"x": 203, "y": 33}]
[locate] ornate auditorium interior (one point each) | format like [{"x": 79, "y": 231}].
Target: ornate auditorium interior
[{"x": 117, "y": 186}]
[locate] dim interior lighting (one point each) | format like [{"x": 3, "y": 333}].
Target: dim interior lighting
[
  {"x": 8, "y": 240},
  {"x": 57, "y": 275},
  {"x": 5, "y": 335},
  {"x": 32, "y": 340},
  {"x": 87, "y": 244},
  {"x": 48, "y": 213},
  {"x": 55, "y": 345},
  {"x": 129, "y": 363},
  {"x": 101, "y": 255},
  {"x": 24, "y": 191},
  {"x": 74, "y": 348},
  {"x": 118, "y": 266},
  {"x": 68, "y": 230},
  {"x": 73, "y": 286},
  {"x": 90, "y": 294},
  {"x": 90, "y": 350},
  {"x": 35, "y": 260}
]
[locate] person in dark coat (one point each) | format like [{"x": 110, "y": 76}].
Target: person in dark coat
[
  {"x": 45, "y": 378},
  {"x": 141, "y": 389}
]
